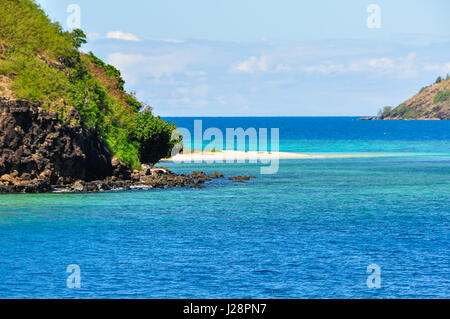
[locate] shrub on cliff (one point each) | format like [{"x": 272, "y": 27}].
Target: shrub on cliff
[
  {"x": 154, "y": 137},
  {"x": 442, "y": 97},
  {"x": 385, "y": 111}
]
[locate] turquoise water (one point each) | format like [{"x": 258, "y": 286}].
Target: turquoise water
[
  {"x": 338, "y": 134},
  {"x": 309, "y": 231}
]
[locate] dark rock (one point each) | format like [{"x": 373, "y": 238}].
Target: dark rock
[
  {"x": 370, "y": 118},
  {"x": 120, "y": 169},
  {"x": 26, "y": 177},
  {"x": 216, "y": 175},
  {"x": 199, "y": 177},
  {"x": 136, "y": 175},
  {"x": 146, "y": 170},
  {"x": 35, "y": 186},
  {"x": 78, "y": 186},
  {"x": 241, "y": 179},
  {"x": 40, "y": 153},
  {"x": 35, "y": 141},
  {"x": 197, "y": 186},
  {"x": 160, "y": 171}
]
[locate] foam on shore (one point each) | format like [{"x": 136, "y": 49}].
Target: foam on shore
[{"x": 241, "y": 155}]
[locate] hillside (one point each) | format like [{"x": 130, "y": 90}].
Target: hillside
[
  {"x": 431, "y": 103},
  {"x": 43, "y": 75}
]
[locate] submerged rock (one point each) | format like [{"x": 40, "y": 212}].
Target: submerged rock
[
  {"x": 216, "y": 175},
  {"x": 197, "y": 186},
  {"x": 241, "y": 179}
]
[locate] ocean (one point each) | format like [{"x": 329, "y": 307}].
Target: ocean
[{"x": 318, "y": 228}]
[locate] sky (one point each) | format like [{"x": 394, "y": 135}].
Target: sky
[{"x": 266, "y": 58}]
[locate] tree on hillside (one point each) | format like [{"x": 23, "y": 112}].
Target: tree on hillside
[
  {"x": 385, "y": 111},
  {"x": 78, "y": 38}
]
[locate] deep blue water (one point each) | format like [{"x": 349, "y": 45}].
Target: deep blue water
[
  {"x": 309, "y": 231},
  {"x": 339, "y": 134}
]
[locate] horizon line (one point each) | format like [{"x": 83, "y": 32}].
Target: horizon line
[{"x": 274, "y": 116}]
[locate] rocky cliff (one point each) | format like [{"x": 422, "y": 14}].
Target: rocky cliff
[
  {"x": 36, "y": 143},
  {"x": 42, "y": 63}
]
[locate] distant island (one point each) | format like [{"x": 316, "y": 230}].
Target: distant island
[{"x": 431, "y": 103}]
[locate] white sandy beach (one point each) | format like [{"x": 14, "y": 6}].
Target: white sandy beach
[{"x": 241, "y": 155}]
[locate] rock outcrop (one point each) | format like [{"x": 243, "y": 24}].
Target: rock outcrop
[
  {"x": 40, "y": 153},
  {"x": 39, "y": 145}
]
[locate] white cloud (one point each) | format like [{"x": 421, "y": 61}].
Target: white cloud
[
  {"x": 252, "y": 65},
  {"x": 437, "y": 67},
  {"x": 137, "y": 67},
  {"x": 259, "y": 64},
  {"x": 326, "y": 68},
  {"x": 119, "y": 35},
  {"x": 401, "y": 67}
]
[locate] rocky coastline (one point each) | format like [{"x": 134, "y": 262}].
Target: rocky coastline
[
  {"x": 370, "y": 118},
  {"x": 40, "y": 153},
  {"x": 145, "y": 179}
]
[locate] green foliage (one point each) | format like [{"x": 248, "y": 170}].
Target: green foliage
[
  {"x": 24, "y": 27},
  {"x": 438, "y": 80},
  {"x": 385, "y": 111},
  {"x": 135, "y": 104},
  {"x": 119, "y": 140},
  {"x": 111, "y": 71},
  {"x": 78, "y": 38},
  {"x": 154, "y": 136},
  {"x": 34, "y": 79},
  {"x": 442, "y": 97},
  {"x": 404, "y": 111},
  {"x": 44, "y": 65}
]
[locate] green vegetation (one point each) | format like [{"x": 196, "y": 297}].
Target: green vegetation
[
  {"x": 110, "y": 70},
  {"x": 423, "y": 89},
  {"x": 430, "y": 103},
  {"x": 403, "y": 111},
  {"x": 442, "y": 97},
  {"x": 44, "y": 66},
  {"x": 385, "y": 111},
  {"x": 154, "y": 137}
]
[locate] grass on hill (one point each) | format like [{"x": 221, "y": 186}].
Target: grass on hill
[{"x": 43, "y": 64}]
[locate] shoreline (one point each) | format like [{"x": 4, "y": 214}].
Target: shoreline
[{"x": 265, "y": 156}]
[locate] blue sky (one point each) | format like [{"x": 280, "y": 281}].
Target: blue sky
[{"x": 267, "y": 58}]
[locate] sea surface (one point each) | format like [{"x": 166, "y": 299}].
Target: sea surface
[{"x": 309, "y": 231}]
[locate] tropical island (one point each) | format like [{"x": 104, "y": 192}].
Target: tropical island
[
  {"x": 68, "y": 124},
  {"x": 66, "y": 121},
  {"x": 431, "y": 103}
]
